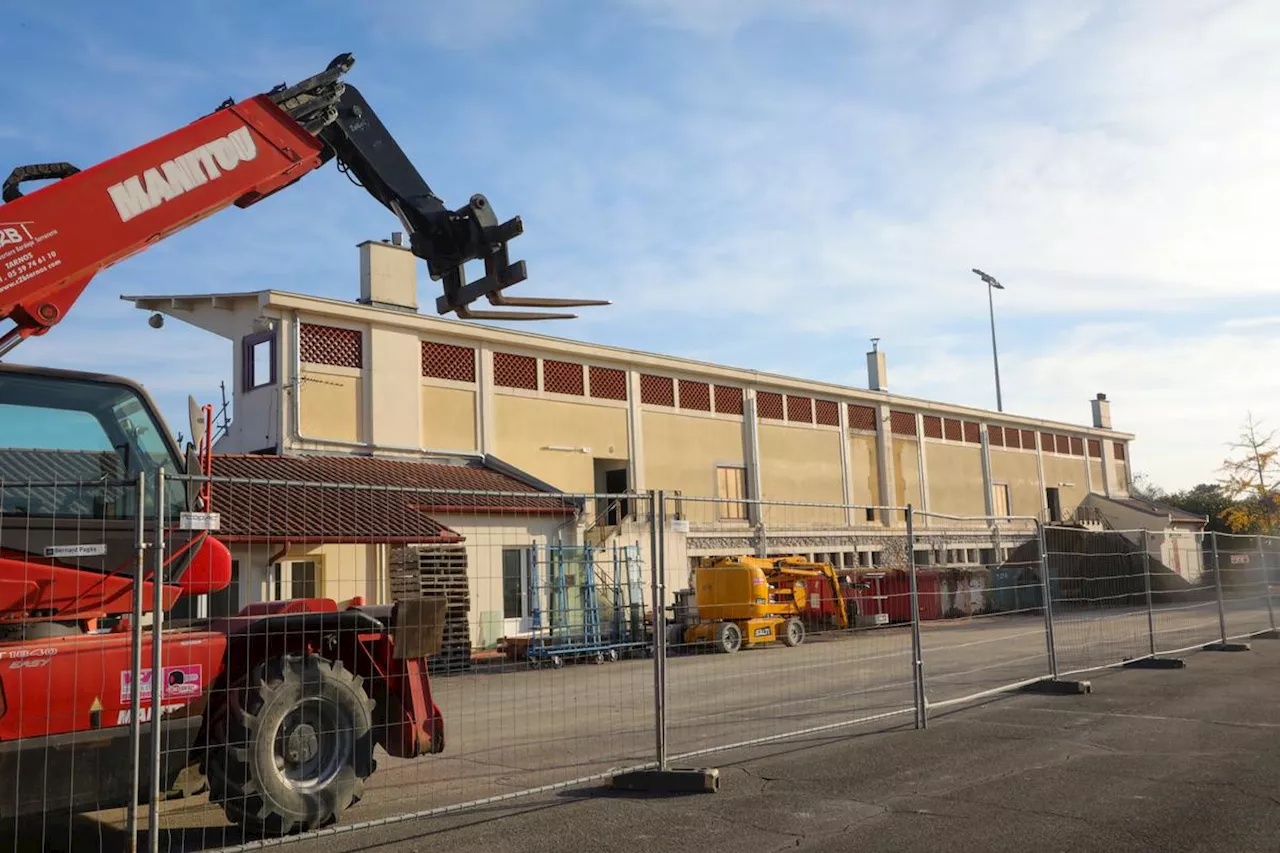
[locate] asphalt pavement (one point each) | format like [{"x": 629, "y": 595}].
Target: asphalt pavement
[
  {"x": 1150, "y": 760},
  {"x": 1146, "y": 750}
]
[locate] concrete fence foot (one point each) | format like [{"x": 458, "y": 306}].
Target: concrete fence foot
[
  {"x": 702, "y": 780},
  {"x": 1156, "y": 663},
  {"x": 1058, "y": 686},
  {"x": 1267, "y": 635},
  {"x": 1227, "y": 647}
]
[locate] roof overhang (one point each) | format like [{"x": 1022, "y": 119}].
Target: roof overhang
[
  {"x": 201, "y": 309},
  {"x": 223, "y": 314}
]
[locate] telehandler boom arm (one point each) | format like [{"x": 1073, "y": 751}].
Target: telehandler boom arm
[{"x": 56, "y": 239}]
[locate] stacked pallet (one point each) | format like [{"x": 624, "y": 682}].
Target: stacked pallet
[{"x": 437, "y": 571}]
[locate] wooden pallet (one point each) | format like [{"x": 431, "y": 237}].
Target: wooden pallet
[{"x": 420, "y": 571}]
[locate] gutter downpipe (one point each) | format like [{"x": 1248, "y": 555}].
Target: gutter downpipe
[{"x": 296, "y": 430}]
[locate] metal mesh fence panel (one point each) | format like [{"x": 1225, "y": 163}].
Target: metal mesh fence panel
[
  {"x": 1098, "y": 582},
  {"x": 981, "y": 605},
  {"x": 1246, "y": 590},
  {"x": 783, "y": 620},
  {"x": 384, "y": 652},
  {"x": 69, "y": 643},
  {"x": 1186, "y": 612}
]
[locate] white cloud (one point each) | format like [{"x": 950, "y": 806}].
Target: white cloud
[
  {"x": 1110, "y": 164},
  {"x": 1184, "y": 397}
]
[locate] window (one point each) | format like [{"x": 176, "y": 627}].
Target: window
[
  {"x": 1000, "y": 500},
  {"x": 259, "y": 354},
  {"x": 516, "y": 603},
  {"x": 82, "y": 431},
  {"x": 294, "y": 579},
  {"x": 731, "y": 485}
]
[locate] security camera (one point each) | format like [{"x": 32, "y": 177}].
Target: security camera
[{"x": 155, "y": 321}]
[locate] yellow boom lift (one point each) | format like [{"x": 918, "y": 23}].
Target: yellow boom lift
[{"x": 750, "y": 601}]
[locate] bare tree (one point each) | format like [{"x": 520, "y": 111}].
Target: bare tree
[{"x": 1251, "y": 477}]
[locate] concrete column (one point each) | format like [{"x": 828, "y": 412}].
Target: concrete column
[
  {"x": 1088, "y": 468},
  {"x": 1044, "y": 499},
  {"x": 288, "y": 383},
  {"x": 486, "y": 425},
  {"x": 1108, "y": 468},
  {"x": 392, "y": 363},
  {"x": 635, "y": 433},
  {"x": 751, "y": 428},
  {"x": 988, "y": 489},
  {"x": 884, "y": 456},
  {"x": 846, "y": 464},
  {"x": 922, "y": 461}
]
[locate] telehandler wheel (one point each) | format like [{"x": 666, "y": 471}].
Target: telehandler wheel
[
  {"x": 793, "y": 635},
  {"x": 293, "y": 747},
  {"x": 728, "y": 638}
]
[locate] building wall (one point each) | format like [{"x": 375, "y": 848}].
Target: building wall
[
  {"x": 448, "y": 417},
  {"x": 906, "y": 469},
  {"x": 955, "y": 478},
  {"x": 800, "y": 464},
  {"x": 683, "y": 451},
  {"x": 1066, "y": 475},
  {"x": 556, "y": 440},
  {"x": 403, "y": 383},
  {"x": 1017, "y": 469},
  {"x": 485, "y": 538},
  {"x": 544, "y": 415},
  {"x": 344, "y": 571},
  {"x": 864, "y": 469}
]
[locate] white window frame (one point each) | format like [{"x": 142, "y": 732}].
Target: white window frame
[{"x": 277, "y": 578}]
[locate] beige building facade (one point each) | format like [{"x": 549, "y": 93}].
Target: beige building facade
[{"x": 373, "y": 376}]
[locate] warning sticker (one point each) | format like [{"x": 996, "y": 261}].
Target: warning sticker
[{"x": 180, "y": 682}]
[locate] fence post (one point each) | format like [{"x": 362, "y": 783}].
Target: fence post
[
  {"x": 1048, "y": 602},
  {"x": 1217, "y": 582},
  {"x": 135, "y": 664},
  {"x": 917, "y": 649},
  {"x": 1146, "y": 582},
  {"x": 157, "y": 667},
  {"x": 1266, "y": 581},
  {"x": 657, "y": 539}
]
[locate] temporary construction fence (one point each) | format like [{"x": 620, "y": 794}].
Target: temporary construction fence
[{"x": 384, "y": 652}]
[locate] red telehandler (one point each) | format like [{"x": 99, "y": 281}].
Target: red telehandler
[{"x": 278, "y": 708}]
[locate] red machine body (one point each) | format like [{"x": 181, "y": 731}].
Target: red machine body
[{"x": 67, "y": 589}]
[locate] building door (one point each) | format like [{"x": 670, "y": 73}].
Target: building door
[
  {"x": 517, "y": 595},
  {"x": 615, "y": 483},
  {"x": 1055, "y": 504}
]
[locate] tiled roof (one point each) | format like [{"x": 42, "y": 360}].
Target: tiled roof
[
  {"x": 327, "y": 498},
  {"x": 298, "y": 498}
]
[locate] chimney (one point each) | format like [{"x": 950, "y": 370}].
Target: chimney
[
  {"x": 388, "y": 274},
  {"x": 877, "y": 375},
  {"x": 1101, "y": 412}
]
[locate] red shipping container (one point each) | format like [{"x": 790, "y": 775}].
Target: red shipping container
[{"x": 896, "y": 586}]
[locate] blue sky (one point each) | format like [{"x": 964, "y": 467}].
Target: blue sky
[{"x": 764, "y": 184}]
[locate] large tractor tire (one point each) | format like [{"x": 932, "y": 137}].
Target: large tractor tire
[{"x": 291, "y": 747}]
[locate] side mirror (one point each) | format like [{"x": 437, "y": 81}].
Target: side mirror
[{"x": 199, "y": 426}]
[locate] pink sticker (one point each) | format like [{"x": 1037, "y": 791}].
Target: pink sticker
[{"x": 180, "y": 682}]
